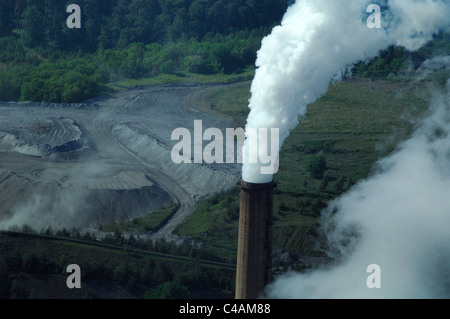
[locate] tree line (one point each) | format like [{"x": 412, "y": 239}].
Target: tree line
[
  {"x": 397, "y": 59},
  {"x": 41, "y": 59},
  {"x": 108, "y": 24},
  {"x": 144, "y": 276}
]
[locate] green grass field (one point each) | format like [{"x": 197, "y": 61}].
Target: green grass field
[
  {"x": 184, "y": 78},
  {"x": 146, "y": 223},
  {"x": 357, "y": 122}
]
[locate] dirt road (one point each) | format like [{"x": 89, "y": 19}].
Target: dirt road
[{"x": 103, "y": 160}]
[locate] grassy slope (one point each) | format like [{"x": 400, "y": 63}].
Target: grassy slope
[
  {"x": 184, "y": 78},
  {"x": 145, "y": 223},
  {"x": 357, "y": 122}
]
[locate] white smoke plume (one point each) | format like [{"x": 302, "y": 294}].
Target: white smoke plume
[
  {"x": 53, "y": 205},
  {"x": 398, "y": 219},
  {"x": 315, "y": 43}
]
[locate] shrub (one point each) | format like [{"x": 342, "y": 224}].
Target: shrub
[
  {"x": 317, "y": 166},
  {"x": 168, "y": 290},
  {"x": 201, "y": 65},
  {"x": 9, "y": 91}
]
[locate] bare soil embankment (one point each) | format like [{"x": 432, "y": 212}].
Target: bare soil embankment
[{"x": 104, "y": 160}]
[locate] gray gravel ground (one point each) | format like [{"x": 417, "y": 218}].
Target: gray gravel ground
[{"x": 77, "y": 165}]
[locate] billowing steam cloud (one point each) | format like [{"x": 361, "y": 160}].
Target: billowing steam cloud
[
  {"x": 57, "y": 205},
  {"x": 316, "y": 42},
  {"x": 399, "y": 219}
]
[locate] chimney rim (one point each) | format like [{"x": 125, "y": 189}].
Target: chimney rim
[{"x": 247, "y": 185}]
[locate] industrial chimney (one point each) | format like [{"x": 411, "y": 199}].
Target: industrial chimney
[{"x": 254, "y": 255}]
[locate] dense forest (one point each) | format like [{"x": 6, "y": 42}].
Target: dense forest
[
  {"x": 108, "y": 24},
  {"x": 42, "y": 59},
  {"x": 142, "y": 275}
]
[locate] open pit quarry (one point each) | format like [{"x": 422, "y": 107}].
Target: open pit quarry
[{"x": 104, "y": 160}]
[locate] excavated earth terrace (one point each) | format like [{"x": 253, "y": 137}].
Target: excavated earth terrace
[{"x": 104, "y": 160}]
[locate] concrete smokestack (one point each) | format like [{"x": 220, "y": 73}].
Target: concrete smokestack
[{"x": 254, "y": 256}]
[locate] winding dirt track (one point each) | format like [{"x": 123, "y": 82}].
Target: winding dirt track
[
  {"x": 156, "y": 111},
  {"x": 101, "y": 131}
]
